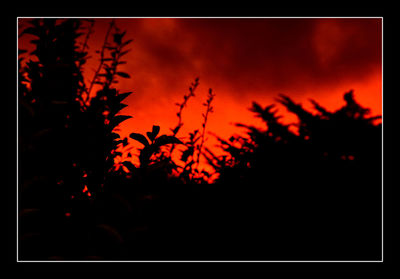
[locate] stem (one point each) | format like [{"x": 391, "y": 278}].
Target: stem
[
  {"x": 209, "y": 109},
  {"x": 101, "y": 60},
  {"x": 186, "y": 98},
  {"x": 85, "y": 43}
]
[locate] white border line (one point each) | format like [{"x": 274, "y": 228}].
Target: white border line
[
  {"x": 17, "y": 188},
  {"x": 206, "y": 17},
  {"x": 382, "y": 144},
  {"x": 205, "y": 261}
]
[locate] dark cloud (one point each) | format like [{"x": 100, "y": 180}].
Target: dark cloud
[
  {"x": 254, "y": 54},
  {"x": 247, "y": 59}
]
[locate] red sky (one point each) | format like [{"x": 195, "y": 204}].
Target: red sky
[{"x": 242, "y": 60}]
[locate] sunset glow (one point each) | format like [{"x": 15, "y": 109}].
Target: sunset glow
[{"x": 242, "y": 60}]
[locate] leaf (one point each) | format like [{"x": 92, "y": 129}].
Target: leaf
[
  {"x": 126, "y": 42},
  {"x": 118, "y": 38},
  {"x": 122, "y": 96},
  {"x": 156, "y": 130},
  {"x": 164, "y": 139},
  {"x": 115, "y": 136},
  {"x": 115, "y": 109},
  {"x": 140, "y": 138},
  {"x": 125, "y": 142},
  {"x": 176, "y": 130},
  {"x": 116, "y": 120},
  {"x": 152, "y": 135},
  {"x": 124, "y": 75},
  {"x": 124, "y": 52}
]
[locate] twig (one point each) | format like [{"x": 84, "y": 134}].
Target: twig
[
  {"x": 182, "y": 105},
  {"x": 101, "y": 60},
  {"x": 209, "y": 110},
  {"x": 85, "y": 43}
]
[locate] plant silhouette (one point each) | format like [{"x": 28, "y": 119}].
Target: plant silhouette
[
  {"x": 67, "y": 138},
  {"x": 154, "y": 145},
  {"x": 304, "y": 191},
  {"x": 320, "y": 184}
]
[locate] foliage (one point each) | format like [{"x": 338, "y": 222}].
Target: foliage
[
  {"x": 152, "y": 146},
  {"x": 310, "y": 184},
  {"x": 67, "y": 138}
]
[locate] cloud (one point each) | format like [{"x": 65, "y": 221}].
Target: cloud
[{"x": 249, "y": 55}]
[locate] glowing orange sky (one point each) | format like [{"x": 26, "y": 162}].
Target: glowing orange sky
[{"x": 242, "y": 60}]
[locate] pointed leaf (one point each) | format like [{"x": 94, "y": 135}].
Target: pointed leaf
[
  {"x": 126, "y": 42},
  {"x": 152, "y": 135},
  {"x": 140, "y": 138},
  {"x": 156, "y": 130},
  {"x": 116, "y": 120},
  {"x": 124, "y": 52},
  {"x": 122, "y": 96},
  {"x": 124, "y": 75}
]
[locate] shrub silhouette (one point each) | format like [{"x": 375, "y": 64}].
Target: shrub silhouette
[
  {"x": 67, "y": 137},
  {"x": 318, "y": 189},
  {"x": 309, "y": 194}
]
